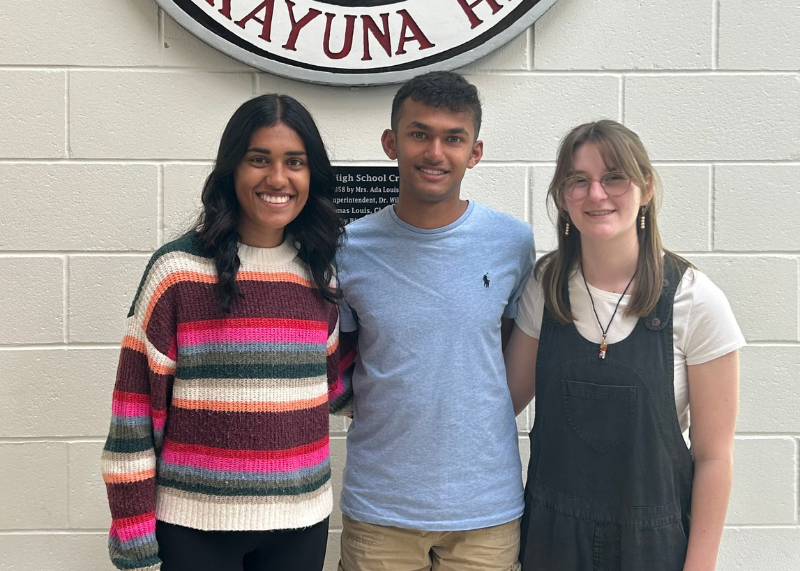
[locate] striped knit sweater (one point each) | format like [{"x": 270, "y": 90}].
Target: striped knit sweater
[{"x": 220, "y": 421}]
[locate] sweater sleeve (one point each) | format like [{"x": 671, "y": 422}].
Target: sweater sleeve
[
  {"x": 340, "y": 391},
  {"x": 139, "y": 412}
]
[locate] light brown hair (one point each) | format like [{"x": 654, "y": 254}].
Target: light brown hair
[{"x": 621, "y": 149}]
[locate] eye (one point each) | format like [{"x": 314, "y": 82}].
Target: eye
[
  {"x": 454, "y": 139},
  {"x": 259, "y": 160},
  {"x": 418, "y": 135},
  {"x": 295, "y": 162},
  {"x": 580, "y": 181},
  {"x": 614, "y": 176}
]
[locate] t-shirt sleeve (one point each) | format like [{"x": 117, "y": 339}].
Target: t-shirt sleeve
[
  {"x": 348, "y": 320},
  {"x": 511, "y": 309},
  {"x": 531, "y": 308},
  {"x": 712, "y": 330}
]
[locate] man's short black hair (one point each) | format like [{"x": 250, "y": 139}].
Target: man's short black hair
[{"x": 440, "y": 89}]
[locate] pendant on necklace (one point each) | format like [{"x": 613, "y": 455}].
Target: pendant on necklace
[{"x": 603, "y": 347}]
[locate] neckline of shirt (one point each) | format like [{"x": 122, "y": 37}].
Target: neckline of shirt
[
  {"x": 268, "y": 257},
  {"x": 455, "y": 224}
]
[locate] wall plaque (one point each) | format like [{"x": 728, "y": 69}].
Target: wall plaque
[
  {"x": 355, "y": 42},
  {"x": 364, "y": 190}
]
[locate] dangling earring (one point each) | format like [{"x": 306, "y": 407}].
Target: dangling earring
[
  {"x": 641, "y": 220},
  {"x": 566, "y": 228}
]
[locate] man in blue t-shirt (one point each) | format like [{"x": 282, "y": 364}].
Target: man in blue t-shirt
[{"x": 433, "y": 477}]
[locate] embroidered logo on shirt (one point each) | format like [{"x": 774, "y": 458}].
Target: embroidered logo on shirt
[{"x": 486, "y": 280}]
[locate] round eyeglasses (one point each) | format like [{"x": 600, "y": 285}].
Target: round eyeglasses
[{"x": 577, "y": 186}]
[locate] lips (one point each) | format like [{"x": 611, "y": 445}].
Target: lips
[{"x": 600, "y": 212}]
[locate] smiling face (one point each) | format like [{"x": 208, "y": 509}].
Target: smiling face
[
  {"x": 433, "y": 147},
  {"x": 272, "y": 183},
  {"x": 598, "y": 216}
]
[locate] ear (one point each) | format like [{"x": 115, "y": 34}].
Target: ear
[
  {"x": 389, "y": 144},
  {"x": 647, "y": 191},
  {"x": 476, "y": 154}
]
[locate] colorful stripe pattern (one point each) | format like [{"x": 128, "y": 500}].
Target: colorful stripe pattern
[{"x": 221, "y": 421}]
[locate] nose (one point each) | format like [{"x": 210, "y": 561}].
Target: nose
[
  {"x": 275, "y": 177},
  {"x": 596, "y": 190},
  {"x": 433, "y": 152}
]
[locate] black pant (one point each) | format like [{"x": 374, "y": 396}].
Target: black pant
[{"x": 186, "y": 549}]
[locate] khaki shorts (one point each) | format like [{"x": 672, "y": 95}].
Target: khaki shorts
[{"x": 368, "y": 547}]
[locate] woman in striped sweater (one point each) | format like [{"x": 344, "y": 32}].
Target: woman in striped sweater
[{"x": 217, "y": 458}]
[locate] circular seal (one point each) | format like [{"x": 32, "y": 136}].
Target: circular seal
[{"x": 358, "y": 42}]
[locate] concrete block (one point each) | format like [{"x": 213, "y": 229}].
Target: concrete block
[
  {"x": 184, "y": 49},
  {"x": 502, "y": 188},
  {"x": 79, "y": 207},
  {"x": 524, "y": 455},
  {"x": 183, "y": 185},
  {"x": 759, "y": 35},
  {"x": 525, "y": 116},
  {"x": 334, "y": 549},
  {"x": 56, "y": 392},
  {"x": 350, "y": 119},
  {"x": 763, "y": 293},
  {"x": 32, "y": 300},
  {"x": 101, "y": 290},
  {"x": 624, "y": 35},
  {"x": 760, "y": 549},
  {"x": 88, "y": 507},
  {"x": 683, "y": 219},
  {"x": 61, "y": 552},
  {"x": 512, "y": 56},
  {"x": 764, "y": 475},
  {"x": 32, "y": 112},
  {"x": 338, "y": 446},
  {"x": 149, "y": 115},
  {"x": 745, "y": 219},
  {"x": 724, "y": 117},
  {"x": 543, "y": 215},
  {"x": 33, "y": 476},
  {"x": 768, "y": 395},
  {"x": 89, "y": 32}
]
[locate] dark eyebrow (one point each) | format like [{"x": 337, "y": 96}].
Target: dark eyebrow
[
  {"x": 268, "y": 152},
  {"x": 424, "y": 127}
]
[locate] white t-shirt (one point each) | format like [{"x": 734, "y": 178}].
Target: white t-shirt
[{"x": 703, "y": 326}]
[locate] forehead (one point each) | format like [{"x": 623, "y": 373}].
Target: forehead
[
  {"x": 438, "y": 118},
  {"x": 277, "y": 136},
  {"x": 593, "y": 154}
]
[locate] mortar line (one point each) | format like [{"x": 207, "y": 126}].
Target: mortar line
[
  {"x": 86, "y": 531},
  {"x": 46, "y": 439},
  {"x": 160, "y": 205},
  {"x": 527, "y": 200},
  {"x": 162, "y": 39},
  {"x": 63, "y": 346},
  {"x": 499, "y": 72},
  {"x": 766, "y": 435},
  {"x": 712, "y": 220},
  {"x": 531, "y": 46},
  {"x": 715, "y": 34},
  {"x": 67, "y": 147},
  {"x": 66, "y": 480},
  {"x": 65, "y": 286},
  {"x": 384, "y": 162},
  {"x": 797, "y": 479},
  {"x": 59, "y": 253}
]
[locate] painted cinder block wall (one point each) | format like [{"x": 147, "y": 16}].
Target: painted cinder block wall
[{"x": 109, "y": 117}]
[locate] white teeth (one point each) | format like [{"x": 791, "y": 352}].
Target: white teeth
[
  {"x": 599, "y": 212},
  {"x": 429, "y": 171},
  {"x": 274, "y": 199}
]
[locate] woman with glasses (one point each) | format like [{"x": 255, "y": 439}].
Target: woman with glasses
[{"x": 619, "y": 340}]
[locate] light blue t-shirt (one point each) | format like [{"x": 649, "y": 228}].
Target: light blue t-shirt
[{"x": 433, "y": 443}]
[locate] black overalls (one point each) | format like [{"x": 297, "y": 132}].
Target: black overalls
[{"x": 610, "y": 478}]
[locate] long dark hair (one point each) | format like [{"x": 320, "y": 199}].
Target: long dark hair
[{"x": 317, "y": 230}]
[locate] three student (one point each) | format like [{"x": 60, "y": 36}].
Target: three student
[{"x": 229, "y": 365}]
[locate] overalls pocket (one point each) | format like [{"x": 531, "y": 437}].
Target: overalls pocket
[{"x": 600, "y": 415}]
